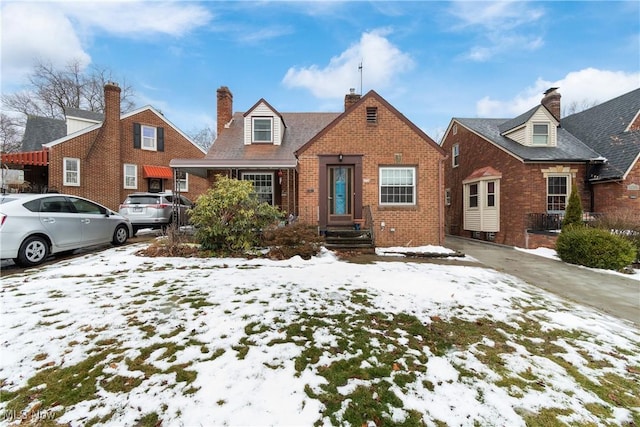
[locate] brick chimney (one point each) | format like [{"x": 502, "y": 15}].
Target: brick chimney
[
  {"x": 225, "y": 107},
  {"x": 111, "y": 105},
  {"x": 351, "y": 98},
  {"x": 551, "y": 100}
]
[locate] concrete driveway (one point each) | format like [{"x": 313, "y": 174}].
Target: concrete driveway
[{"x": 613, "y": 294}]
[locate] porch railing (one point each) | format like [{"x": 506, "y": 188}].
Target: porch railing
[
  {"x": 553, "y": 221},
  {"x": 368, "y": 222}
]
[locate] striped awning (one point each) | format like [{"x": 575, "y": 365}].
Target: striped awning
[
  {"x": 27, "y": 158},
  {"x": 163, "y": 172}
]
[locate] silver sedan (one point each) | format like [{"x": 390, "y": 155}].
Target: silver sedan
[{"x": 35, "y": 226}]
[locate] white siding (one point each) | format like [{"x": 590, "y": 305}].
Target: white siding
[
  {"x": 542, "y": 116},
  {"x": 75, "y": 124},
  {"x": 519, "y": 136},
  {"x": 263, "y": 111},
  {"x": 482, "y": 218}
]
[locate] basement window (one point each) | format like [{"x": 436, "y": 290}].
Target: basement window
[{"x": 372, "y": 115}]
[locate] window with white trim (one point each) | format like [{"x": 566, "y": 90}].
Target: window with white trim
[
  {"x": 540, "y": 134},
  {"x": 149, "y": 138},
  {"x": 455, "y": 155},
  {"x": 473, "y": 195},
  {"x": 182, "y": 181},
  {"x": 262, "y": 185},
  {"x": 71, "y": 172},
  {"x": 130, "y": 176},
  {"x": 558, "y": 187},
  {"x": 491, "y": 194},
  {"x": 262, "y": 129},
  {"x": 397, "y": 186}
]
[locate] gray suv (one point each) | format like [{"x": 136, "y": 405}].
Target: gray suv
[{"x": 154, "y": 210}]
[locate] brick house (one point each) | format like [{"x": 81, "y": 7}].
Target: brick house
[
  {"x": 508, "y": 180},
  {"x": 368, "y": 166},
  {"x": 106, "y": 157}
]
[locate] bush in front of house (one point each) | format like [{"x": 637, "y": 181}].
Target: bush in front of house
[
  {"x": 291, "y": 240},
  {"x": 594, "y": 247},
  {"x": 624, "y": 223},
  {"x": 229, "y": 219}
]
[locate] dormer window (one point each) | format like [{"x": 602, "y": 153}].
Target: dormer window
[
  {"x": 540, "y": 134},
  {"x": 262, "y": 129}
]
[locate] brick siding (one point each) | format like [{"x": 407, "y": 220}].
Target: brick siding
[{"x": 390, "y": 142}]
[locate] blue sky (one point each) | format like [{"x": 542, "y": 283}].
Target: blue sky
[{"x": 431, "y": 60}]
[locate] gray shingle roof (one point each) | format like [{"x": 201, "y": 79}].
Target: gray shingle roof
[
  {"x": 603, "y": 128},
  {"x": 229, "y": 149},
  {"x": 568, "y": 147},
  {"x": 518, "y": 121},
  {"x": 41, "y": 130},
  {"x": 84, "y": 114}
]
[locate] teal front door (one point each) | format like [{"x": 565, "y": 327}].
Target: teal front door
[{"x": 340, "y": 193}]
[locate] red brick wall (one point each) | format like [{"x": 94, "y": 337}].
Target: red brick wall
[
  {"x": 523, "y": 187},
  {"x": 103, "y": 153},
  {"x": 381, "y": 145},
  {"x": 617, "y": 196}
]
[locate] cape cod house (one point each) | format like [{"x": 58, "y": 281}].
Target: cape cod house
[
  {"x": 509, "y": 180},
  {"x": 366, "y": 167},
  {"x": 106, "y": 157}
]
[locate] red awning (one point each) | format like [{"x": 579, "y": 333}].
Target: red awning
[
  {"x": 27, "y": 158},
  {"x": 157, "y": 172}
]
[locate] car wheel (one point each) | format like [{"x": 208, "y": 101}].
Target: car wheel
[
  {"x": 121, "y": 235},
  {"x": 33, "y": 251}
]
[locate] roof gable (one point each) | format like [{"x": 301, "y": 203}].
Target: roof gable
[
  {"x": 351, "y": 110},
  {"x": 272, "y": 134},
  {"x": 122, "y": 117}
]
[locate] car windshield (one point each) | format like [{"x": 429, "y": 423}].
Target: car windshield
[{"x": 142, "y": 200}]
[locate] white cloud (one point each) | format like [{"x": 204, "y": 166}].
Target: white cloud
[
  {"x": 382, "y": 63},
  {"x": 33, "y": 31},
  {"x": 590, "y": 86},
  {"x": 501, "y": 26},
  {"x": 60, "y": 32}
]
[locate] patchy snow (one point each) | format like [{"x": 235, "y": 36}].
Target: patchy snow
[{"x": 229, "y": 318}]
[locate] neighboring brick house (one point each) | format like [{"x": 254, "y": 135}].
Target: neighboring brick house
[
  {"x": 367, "y": 165},
  {"x": 106, "y": 157},
  {"x": 508, "y": 180}
]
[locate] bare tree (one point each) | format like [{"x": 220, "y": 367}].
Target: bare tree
[
  {"x": 10, "y": 134},
  {"x": 203, "y": 137},
  {"x": 578, "y": 106},
  {"x": 52, "y": 90}
]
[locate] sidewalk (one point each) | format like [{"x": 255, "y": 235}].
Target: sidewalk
[{"x": 610, "y": 293}]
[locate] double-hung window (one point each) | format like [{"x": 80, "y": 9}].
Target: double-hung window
[
  {"x": 473, "y": 195},
  {"x": 397, "y": 186},
  {"x": 557, "y": 192},
  {"x": 130, "y": 176},
  {"x": 149, "y": 138},
  {"x": 540, "y": 134},
  {"x": 71, "y": 172},
  {"x": 262, "y": 129},
  {"x": 491, "y": 194},
  {"x": 262, "y": 185},
  {"x": 455, "y": 155},
  {"x": 182, "y": 181}
]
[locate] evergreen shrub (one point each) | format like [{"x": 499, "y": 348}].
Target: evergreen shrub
[
  {"x": 594, "y": 247},
  {"x": 229, "y": 218}
]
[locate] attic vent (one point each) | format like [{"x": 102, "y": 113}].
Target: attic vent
[{"x": 372, "y": 115}]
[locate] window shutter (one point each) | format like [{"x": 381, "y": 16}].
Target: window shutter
[
  {"x": 160, "y": 139},
  {"x": 136, "y": 135}
]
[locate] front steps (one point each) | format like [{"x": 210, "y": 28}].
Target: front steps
[{"x": 348, "y": 238}]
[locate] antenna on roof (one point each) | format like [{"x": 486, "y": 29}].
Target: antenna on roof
[{"x": 360, "y": 70}]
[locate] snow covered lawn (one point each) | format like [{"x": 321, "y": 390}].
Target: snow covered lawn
[{"x": 117, "y": 339}]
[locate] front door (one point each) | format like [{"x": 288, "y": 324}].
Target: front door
[{"x": 340, "y": 194}]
